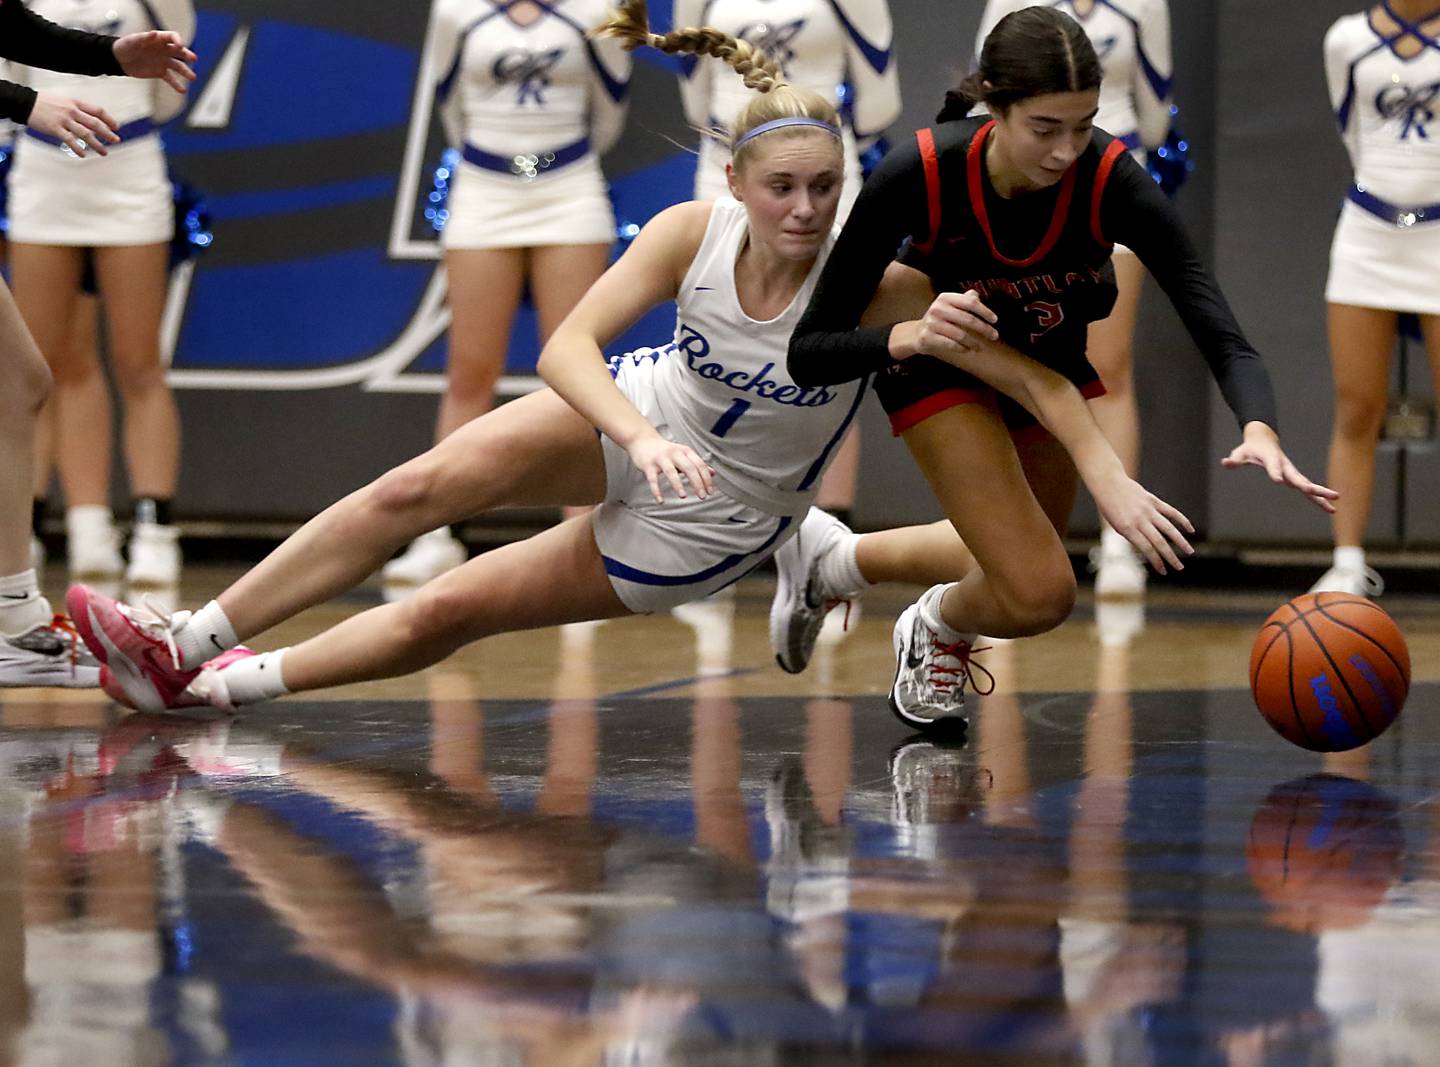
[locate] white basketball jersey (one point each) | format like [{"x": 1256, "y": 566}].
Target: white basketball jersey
[
  {"x": 723, "y": 384},
  {"x": 1132, "y": 39},
  {"x": 126, "y": 99},
  {"x": 507, "y": 88},
  {"x": 819, "y": 44},
  {"x": 1388, "y": 105}
]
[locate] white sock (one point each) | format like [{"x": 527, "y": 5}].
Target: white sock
[
  {"x": 205, "y": 635},
  {"x": 930, "y": 613},
  {"x": 22, "y": 608},
  {"x": 1350, "y": 557},
  {"x": 1113, "y": 543},
  {"x": 839, "y": 570},
  {"x": 255, "y": 678}
]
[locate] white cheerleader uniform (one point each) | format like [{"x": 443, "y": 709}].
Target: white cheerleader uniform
[
  {"x": 531, "y": 109},
  {"x": 122, "y": 198},
  {"x": 1386, "y": 252},
  {"x": 720, "y": 387},
  {"x": 1132, "y": 39},
  {"x": 820, "y": 45}
]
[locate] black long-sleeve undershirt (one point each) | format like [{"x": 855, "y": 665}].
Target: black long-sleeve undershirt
[
  {"x": 827, "y": 348},
  {"x": 27, "y": 38}
]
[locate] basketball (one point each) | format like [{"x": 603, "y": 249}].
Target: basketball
[
  {"x": 1329, "y": 671},
  {"x": 1323, "y": 850}
]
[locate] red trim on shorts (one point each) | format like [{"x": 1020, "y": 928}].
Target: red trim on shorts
[
  {"x": 918, "y": 412},
  {"x": 931, "y": 159},
  {"x": 1107, "y": 164},
  {"x": 975, "y": 175}
]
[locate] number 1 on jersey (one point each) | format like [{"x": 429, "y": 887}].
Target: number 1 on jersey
[{"x": 726, "y": 421}]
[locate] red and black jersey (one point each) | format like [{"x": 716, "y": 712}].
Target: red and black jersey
[{"x": 1040, "y": 260}]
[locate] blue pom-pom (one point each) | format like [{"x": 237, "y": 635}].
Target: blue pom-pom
[
  {"x": 1170, "y": 164},
  {"x": 437, "y": 214},
  {"x": 192, "y": 222}
]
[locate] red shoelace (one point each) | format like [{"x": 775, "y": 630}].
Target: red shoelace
[{"x": 942, "y": 679}]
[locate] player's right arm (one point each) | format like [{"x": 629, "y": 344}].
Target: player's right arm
[
  {"x": 1147, "y": 522},
  {"x": 573, "y": 361}
]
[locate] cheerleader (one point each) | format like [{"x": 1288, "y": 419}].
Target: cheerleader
[
  {"x": 1132, "y": 40},
  {"x": 1383, "y": 67},
  {"x": 841, "y": 49},
  {"x": 37, "y": 648},
  {"x": 531, "y": 102},
  {"x": 113, "y": 213}
]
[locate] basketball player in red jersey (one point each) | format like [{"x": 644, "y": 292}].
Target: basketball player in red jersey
[{"x": 1020, "y": 209}]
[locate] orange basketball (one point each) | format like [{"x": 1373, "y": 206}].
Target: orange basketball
[{"x": 1329, "y": 671}]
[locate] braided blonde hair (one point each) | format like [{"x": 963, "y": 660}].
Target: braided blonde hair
[{"x": 629, "y": 23}]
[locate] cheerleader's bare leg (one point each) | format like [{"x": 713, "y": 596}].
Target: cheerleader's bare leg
[
  {"x": 133, "y": 286},
  {"x": 1362, "y": 341},
  {"x": 82, "y": 399},
  {"x": 485, "y": 286}
]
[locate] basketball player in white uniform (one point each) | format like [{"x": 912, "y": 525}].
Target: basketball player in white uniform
[
  {"x": 1383, "y": 68},
  {"x": 120, "y": 206},
  {"x": 531, "y": 104},
  {"x": 822, "y": 45},
  {"x": 707, "y": 453},
  {"x": 1132, "y": 39}
]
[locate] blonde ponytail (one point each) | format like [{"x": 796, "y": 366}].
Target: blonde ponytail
[{"x": 630, "y": 25}]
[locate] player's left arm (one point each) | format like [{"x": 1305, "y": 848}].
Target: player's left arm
[
  {"x": 1154, "y": 72},
  {"x": 610, "y": 68},
  {"x": 870, "y": 66},
  {"x": 1134, "y": 212}
]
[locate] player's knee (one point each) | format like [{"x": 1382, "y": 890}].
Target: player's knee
[
  {"x": 35, "y": 385},
  {"x": 1042, "y": 601},
  {"x": 408, "y": 487},
  {"x": 438, "y": 615},
  {"x": 136, "y": 381},
  {"x": 1358, "y": 416}
]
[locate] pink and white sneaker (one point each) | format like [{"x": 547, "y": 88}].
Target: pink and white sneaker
[
  {"x": 207, "y": 689},
  {"x": 136, "y": 644},
  {"x": 209, "y": 685}
]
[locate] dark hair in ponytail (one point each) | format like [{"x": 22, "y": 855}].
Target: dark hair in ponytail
[{"x": 1030, "y": 52}]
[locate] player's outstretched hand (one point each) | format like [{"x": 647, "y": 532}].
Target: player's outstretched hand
[
  {"x": 1147, "y": 522},
  {"x": 1261, "y": 448},
  {"x": 156, "y": 54},
  {"x": 77, "y": 125},
  {"x": 667, "y": 463}
]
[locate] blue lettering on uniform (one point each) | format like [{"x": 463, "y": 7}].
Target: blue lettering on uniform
[
  {"x": 1416, "y": 107},
  {"x": 528, "y": 70},
  {"x": 762, "y": 383},
  {"x": 1337, "y": 731}
]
